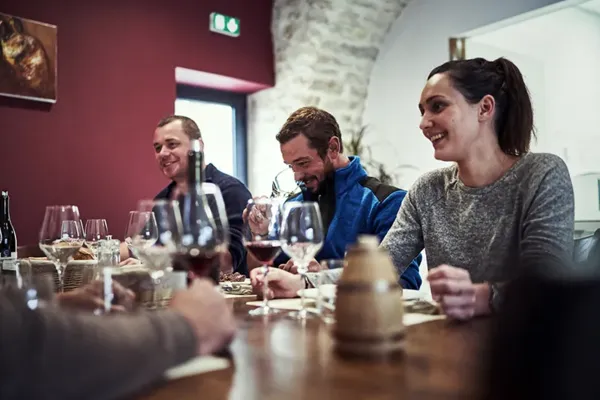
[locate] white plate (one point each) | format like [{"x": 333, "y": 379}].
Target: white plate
[
  {"x": 313, "y": 293},
  {"x": 330, "y": 290},
  {"x": 411, "y": 294},
  {"x": 195, "y": 366},
  {"x": 244, "y": 282}
]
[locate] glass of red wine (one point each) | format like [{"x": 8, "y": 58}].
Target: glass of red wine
[
  {"x": 205, "y": 239},
  {"x": 261, "y": 237}
]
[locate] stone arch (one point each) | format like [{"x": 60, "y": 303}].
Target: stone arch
[{"x": 324, "y": 54}]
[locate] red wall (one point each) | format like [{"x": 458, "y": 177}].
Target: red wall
[{"x": 116, "y": 79}]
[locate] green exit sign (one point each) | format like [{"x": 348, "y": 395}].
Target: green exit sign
[{"x": 224, "y": 24}]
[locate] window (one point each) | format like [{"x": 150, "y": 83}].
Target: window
[{"x": 221, "y": 117}]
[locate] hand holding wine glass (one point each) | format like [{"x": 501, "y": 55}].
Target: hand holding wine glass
[
  {"x": 257, "y": 217},
  {"x": 264, "y": 244}
]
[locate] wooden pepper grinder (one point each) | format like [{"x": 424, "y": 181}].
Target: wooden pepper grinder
[{"x": 369, "y": 307}]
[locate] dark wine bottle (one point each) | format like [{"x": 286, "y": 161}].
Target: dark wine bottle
[
  {"x": 199, "y": 236},
  {"x": 8, "y": 238}
]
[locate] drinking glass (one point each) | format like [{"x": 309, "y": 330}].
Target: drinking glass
[
  {"x": 141, "y": 232},
  {"x": 203, "y": 240},
  {"x": 261, "y": 238},
  {"x": 214, "y": 199},
  {"x": 95, "y": 231},
  {"x": 61, "y": 236},
  {"x": 327, "y": 292},
  {"x": 164, "y": 228},
  {"x": 284, "y": 185},
  {"x": 301, "y": 238}
]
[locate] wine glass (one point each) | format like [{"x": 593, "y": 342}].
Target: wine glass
[
  {"x": 166, "y": 223},
  {"x": 95, "y": 231},
  {"x": 301, "y": 238},
  {"x": 285, "y": 185},
  {"x": 61, "y": 237},
  {"x": 202, "y": 242},
  {"x": 216, "y": 204},
  {"x": 261, "y": 238},
  {"x": 141, "y": 232}
]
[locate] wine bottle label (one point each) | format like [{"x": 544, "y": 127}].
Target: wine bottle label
[{"x": 8, "y": 264}]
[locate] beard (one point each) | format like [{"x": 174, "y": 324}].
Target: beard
[{"x": 322, "y": 184}]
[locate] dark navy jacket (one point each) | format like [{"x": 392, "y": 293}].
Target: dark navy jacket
[
  {"x": 358, "y": 204},
  {"x": 235, "y": 196}
]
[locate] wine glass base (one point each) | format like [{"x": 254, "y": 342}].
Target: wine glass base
[
  {"x": 302, "y": 315},
  {"x": 261, "y": 311}
]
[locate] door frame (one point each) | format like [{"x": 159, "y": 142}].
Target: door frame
[{"x": 238, "y": 102}]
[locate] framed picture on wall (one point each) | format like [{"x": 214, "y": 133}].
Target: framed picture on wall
[{"x": 28, "y": 68}]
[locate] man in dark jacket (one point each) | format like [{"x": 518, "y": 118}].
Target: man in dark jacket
[{"x": 171, "y": 145}]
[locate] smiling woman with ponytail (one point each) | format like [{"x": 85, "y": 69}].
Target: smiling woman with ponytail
[{"x": 499, "y": 208}]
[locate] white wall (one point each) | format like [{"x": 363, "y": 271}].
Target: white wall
[
  {"x": 416, "y": 43},
  {"x": 324, "y": 54},
  {"x": 564, "y": 83},
  {"x": 532, "y": 68}
]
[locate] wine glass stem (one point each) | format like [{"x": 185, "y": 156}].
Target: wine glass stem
[
  {"x": 302, "y": 273},
  {"x": 265, "y": 288},
  {"x": 60, "y": 270}
]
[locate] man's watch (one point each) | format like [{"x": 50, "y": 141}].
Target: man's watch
[{"x": 495, "y": 297}]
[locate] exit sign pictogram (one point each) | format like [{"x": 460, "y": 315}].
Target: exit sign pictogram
[{"x": 224, "y": 24}]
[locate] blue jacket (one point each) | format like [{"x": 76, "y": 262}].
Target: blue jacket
[{"x": 359, "y": 204}]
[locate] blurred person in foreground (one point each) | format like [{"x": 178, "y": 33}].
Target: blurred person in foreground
[
  {"x": 171, "y": 146},
  {"x": 498, "y": 208},
  {"x": 53, "y": 353},
  {"x": 351, "y": 202}
]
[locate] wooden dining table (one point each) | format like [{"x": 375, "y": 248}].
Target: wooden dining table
[{"x": 277, "y": 357}]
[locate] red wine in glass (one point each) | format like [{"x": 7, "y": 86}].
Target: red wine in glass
[
  {"x": 201, "y": 262},
  {"x": 264, "y": 251}
]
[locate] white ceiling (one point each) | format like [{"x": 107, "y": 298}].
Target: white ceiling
[
  {"x": 538, "y": 35},
  {"x": 592, "y": 5}
]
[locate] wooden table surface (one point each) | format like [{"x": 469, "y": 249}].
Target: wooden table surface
[{"x": 281, "y": 358}]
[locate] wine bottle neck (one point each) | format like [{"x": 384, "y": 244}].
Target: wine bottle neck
[
  {"x": 195, "y": 164},
  {"x": 5, "y": 214}
]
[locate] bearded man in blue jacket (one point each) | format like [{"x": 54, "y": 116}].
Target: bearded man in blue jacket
[{"x": 351, "y": 202}]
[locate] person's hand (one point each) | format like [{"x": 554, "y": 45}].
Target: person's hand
[
  {"x": 281, "y": 284},
  {"x": 130, "y": 261},
  {"x": 452, "y": 288},
  {"x": 208, "y": 313},
  {"x": 258, "y": 217},
  {"x": 313, "y": 266},
  {"x": 90, "y": 297}
]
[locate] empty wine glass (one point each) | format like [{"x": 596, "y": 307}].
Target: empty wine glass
[
  {"x": 141, "y": 232},
  {"x": 285, "y": 185},
  {"x": 301, "y": 238},
  {"x": 61, "y": 236},
  {"x": 95, "y": 231},
  {"x": 166, "y": 217},
  {"x": 261, "y": 238}
]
